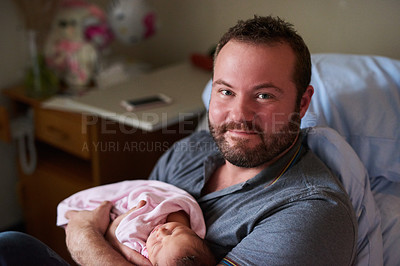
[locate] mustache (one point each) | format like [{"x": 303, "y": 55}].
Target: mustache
[{"x": 246, "y": 126}]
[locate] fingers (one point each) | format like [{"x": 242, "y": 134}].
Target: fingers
[
  {"x": 138, "y": 206},
  {"x": 105, "y": 207},
  {"x": 122, "y": 216},
  {"x": 70, "y": 214},
  {"x": 141, "y": 204},
  {"x": 98, "y": 219},
  {"x": 110, "y": 233}
]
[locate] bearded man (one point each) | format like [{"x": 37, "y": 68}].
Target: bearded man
[{"x": 266, "y": 198}]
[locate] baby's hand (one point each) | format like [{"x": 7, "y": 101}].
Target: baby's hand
[{"x": 130, "y": 254}]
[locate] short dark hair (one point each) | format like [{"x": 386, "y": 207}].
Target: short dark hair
[
  {"x": 200, "y": 256},
  {"x": 271, "y": 30}
]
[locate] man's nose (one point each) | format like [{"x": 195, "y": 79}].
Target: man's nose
[{"x": 242, "y": 110}]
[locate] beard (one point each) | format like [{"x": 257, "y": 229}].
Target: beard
[{"x": 271, "y": 144}]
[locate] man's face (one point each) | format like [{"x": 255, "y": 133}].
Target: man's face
[{"x": 253, "y": 115}]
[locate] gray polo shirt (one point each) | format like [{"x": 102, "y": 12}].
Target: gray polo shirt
[{"x": 295, "y": 212}]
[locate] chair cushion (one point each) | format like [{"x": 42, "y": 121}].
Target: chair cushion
[
  {"x": 339, "y": 156},
  {"x": 359, "y": 96}
]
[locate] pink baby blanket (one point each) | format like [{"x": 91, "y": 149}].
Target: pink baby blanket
[{"x": 161, "y": 199}]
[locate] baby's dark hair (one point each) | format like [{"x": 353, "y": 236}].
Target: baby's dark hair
[{"x": 200, "y": 256}]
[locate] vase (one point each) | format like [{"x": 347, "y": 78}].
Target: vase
[{"x": 40, "y": 81}]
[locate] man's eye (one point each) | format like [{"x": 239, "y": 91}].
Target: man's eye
[
  {"x": 264, "y": 96},
  {"x": 226, "y": 92}
]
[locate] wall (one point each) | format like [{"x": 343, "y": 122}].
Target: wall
[
  {"x": 13, "y": 58},
  {"x": 186, "y": 26},
  {"x": 345, "y": 26}
]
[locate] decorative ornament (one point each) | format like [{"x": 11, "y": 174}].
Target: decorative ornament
[{"x": 132, "y": 20}]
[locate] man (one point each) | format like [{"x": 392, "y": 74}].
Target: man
[{"x": 266, "y": 199}]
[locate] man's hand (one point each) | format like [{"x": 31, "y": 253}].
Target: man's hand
[
  {"x": 130, "y": 254},
  {"x": 85, "y": 238},
  {"x": 97, "y": 220}
]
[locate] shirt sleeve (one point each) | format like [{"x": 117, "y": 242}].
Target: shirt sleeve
[
  {"x": 162, "y": 166},
  {"x": 176, "y": 160},
  {"x": 307, "y": 232}
]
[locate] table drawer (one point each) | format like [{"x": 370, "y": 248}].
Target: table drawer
[{"x": 63, "y": 130}]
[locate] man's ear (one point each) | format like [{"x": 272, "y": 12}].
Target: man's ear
[{"x": 306, "y": 100}]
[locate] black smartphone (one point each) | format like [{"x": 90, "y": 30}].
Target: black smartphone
[{"x": 146, "y": 102}]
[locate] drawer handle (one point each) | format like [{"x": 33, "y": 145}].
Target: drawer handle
[{"x": 60, "y": 134}]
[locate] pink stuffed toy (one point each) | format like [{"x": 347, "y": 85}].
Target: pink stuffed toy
[{"x": 78, "y": 32}]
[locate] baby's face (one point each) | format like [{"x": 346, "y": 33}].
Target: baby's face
[{"x": 167, "y": 242}]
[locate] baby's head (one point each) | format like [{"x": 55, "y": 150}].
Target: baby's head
[{"x": 176, "y": 244}]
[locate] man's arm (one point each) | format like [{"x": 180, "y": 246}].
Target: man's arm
[{"x": 86, "y": 242}]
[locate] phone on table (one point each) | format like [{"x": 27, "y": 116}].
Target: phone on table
[{"x": 146, "y": 102}]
